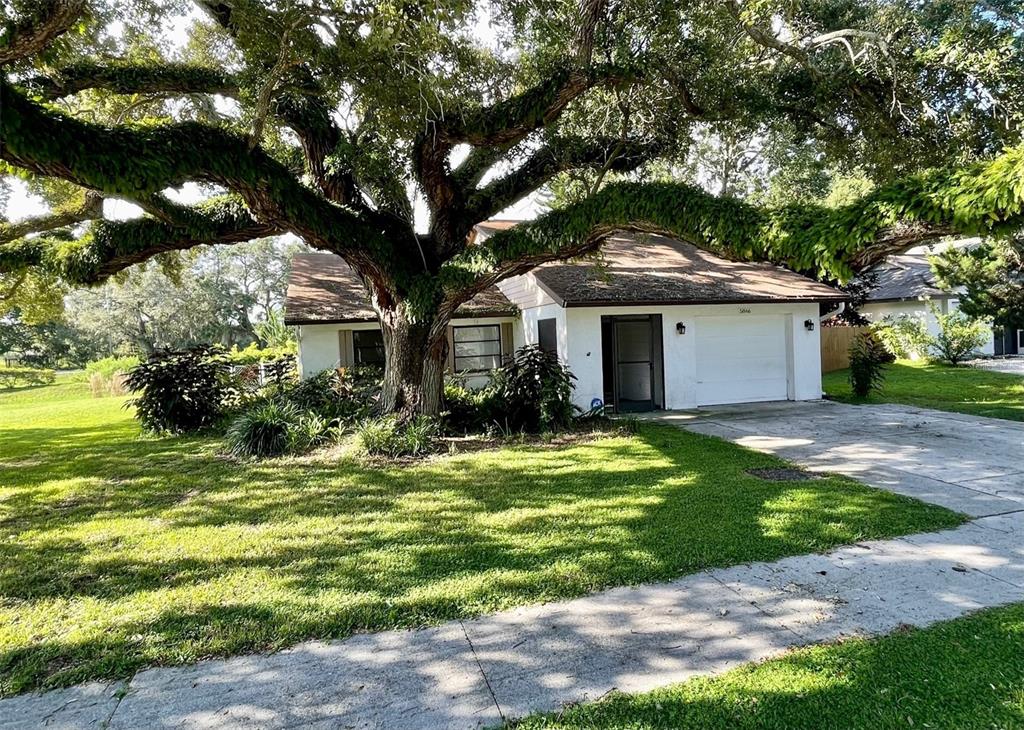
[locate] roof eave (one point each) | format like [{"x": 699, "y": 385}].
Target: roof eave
[
  {"x": 482, "y": 314},
  {"x": 703, "y": 302}
]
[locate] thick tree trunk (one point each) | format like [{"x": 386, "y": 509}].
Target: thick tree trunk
[{"x": 414, "y": 354}]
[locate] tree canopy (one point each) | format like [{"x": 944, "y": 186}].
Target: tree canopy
[
  {"x": 335, "y": 121},
  {"x": 988, "y": 279}
]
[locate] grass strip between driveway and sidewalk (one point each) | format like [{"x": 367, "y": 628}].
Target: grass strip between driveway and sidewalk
[
  {"x": 967, "y": 390},
  {"x": 966, "y": 673},
  {"x": 119, "y": 551}
]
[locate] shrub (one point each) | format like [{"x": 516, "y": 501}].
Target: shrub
[
  {"x": 868, "y": 357},
  {"x": 309, "y": 432},
  {"x": 180, "y": 391},
  {"x": 344, "y": 395},
  {"x": 959, "y": 336},
  {"x": 110, "y": 366},
  {"x": 903, "y": 336},
  {"x": 468, "y": 410},
  {"x": 17, "y": 376},
  {"x": 253, "y": 354},
  {"x": 535, "y": 390},
  {"x": 263, "y": 430},
  {"x": 388, "y": 436}
]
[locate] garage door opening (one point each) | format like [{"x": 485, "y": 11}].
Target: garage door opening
[{"x": 631, "y": 355}]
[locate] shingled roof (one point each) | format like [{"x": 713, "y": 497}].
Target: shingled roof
[
  {"x": 323, "y": 289},
  {"x": 641, "y": 269},
  {"x": 905, "y": 277}
]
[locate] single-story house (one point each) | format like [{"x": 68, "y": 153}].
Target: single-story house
[
  {"x": 337, "y": 326},
  {"x": 656, "y": 323},
  {"x": 906, "y": 284}
]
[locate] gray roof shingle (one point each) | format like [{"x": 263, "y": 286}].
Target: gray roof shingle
[
  {"x": 650, "y": 269},
  {"x": 907, "y": 276},
  {"x": 636, "y": 269}
]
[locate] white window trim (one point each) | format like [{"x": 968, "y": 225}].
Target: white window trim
[{"x": 455, "y": 358}]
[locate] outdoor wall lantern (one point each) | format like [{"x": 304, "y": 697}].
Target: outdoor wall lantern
[
  {"x": 809, "y": 325},
  {"x": 680, "y": 328}
]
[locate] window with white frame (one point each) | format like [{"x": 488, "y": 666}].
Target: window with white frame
[
  {"x": 477, "y": 348},
  {"x": 1020, "y": 339}
]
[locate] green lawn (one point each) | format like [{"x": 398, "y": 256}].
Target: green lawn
[
  {"x": 960, "y": 390},
  {"x": 967, "y": 673},
  {"x": 119, "y": 551}
]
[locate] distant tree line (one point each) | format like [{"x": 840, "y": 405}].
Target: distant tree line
[{"x": 224, "y": 295}]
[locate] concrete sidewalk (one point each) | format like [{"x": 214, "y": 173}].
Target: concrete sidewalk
[
  {"x": 481, "y": 672},
  {"x": 477, "y": 673}
]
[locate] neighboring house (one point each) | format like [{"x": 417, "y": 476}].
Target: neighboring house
[
  {"x": 1009, "y": 339},
  {"x": 657, "y": 323},
  {"x": 905, "y": 284}
]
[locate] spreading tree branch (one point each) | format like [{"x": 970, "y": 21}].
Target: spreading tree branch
[
  {"x": 559, "y": 155},
  {"x": 137, "y": 162},
  {"x": 129, "y": 78},
  {"x": 503, "y": 125},
  {"x": 90, "y": 209},
  {"x": 978, "y": 199},
  {"x": 111, "y": 246},
  {"x": 512, "y": 120},
  {"x": 28, "y": 35},
  {"x": 301, "y": 108}
]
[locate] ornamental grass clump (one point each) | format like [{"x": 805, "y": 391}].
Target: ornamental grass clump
[
  {"x": 108, "y": 376},
  {"x": 392, "y": 438},
  {"x": 262, "y": 430},
  {"x": 275, "y": 427}
]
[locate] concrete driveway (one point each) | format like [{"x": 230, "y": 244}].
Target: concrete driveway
[
  {"x": 1013, "y": 364},
  {"x": 969, "y": 464}
]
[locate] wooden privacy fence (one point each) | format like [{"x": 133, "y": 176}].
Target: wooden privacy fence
[{"x": 835, "y": 347}]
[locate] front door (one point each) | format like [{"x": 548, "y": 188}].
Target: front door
[{"x": 632, "y": 362}]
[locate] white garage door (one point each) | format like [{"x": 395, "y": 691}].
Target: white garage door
[{"x": 741, "y": 359}]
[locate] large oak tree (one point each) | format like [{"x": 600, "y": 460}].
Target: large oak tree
[{"x": 344, "y": 116}]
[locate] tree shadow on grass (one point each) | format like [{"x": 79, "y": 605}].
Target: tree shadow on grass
[{"x": 343, "y": 547}]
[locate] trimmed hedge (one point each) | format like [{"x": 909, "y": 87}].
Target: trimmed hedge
[{"x": 19, "y": 377}]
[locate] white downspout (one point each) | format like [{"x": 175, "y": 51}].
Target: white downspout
[{"x": 836, "y": 313}]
